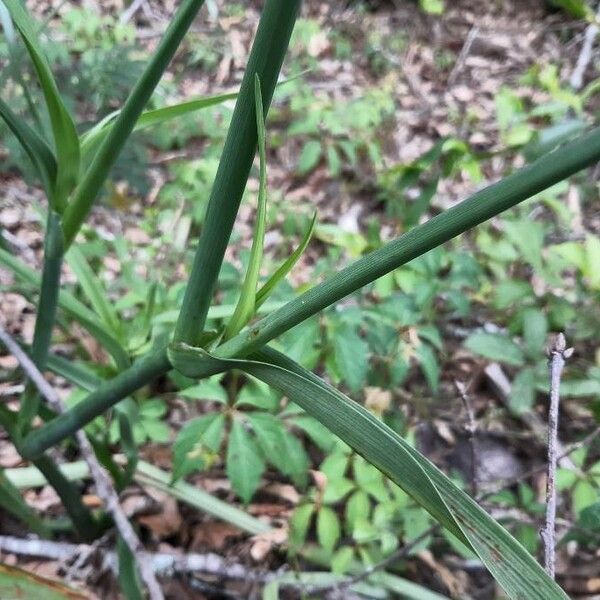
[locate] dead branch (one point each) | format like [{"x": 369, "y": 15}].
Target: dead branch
[
  {"x": 104, "y": 486},
  {"x": 559, "y": 353}
]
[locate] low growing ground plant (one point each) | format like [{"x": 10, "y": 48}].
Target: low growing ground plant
[{"x": 206, "y": 342}]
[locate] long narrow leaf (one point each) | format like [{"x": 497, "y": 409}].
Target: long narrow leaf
[
  {"x": 265, "y": 60},
  {"x": 73, "y": 307},
  {"x": 147, "y": 474},
  {"x": 510, "y": 564},
  {"x": 66, "y": 140},
  {"x": 35, "y": 146},
  {"x": 12, "y": 502},
  {"x": 287, "y": 266},
  {"x": 92, "y": 138},
  {"x": 91, "y": 184},
  {"x": 91, "y": 287},
  {"x": 246, "y": 303}
]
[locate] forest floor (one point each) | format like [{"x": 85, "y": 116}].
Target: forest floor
[{"x": 434, "y": 77}]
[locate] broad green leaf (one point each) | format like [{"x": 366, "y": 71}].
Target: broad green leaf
[
  {"x": 510, "y": 564},
  {"x": 341, "y": 559},
  {"x": 195, "y": 438},
  {"x": 592, "y": 256},
  {"x": 66, "y": 140},
  {"x": 92, "y": 138},
  {"x": 206, "y": 390},
  {"x": 535, "y": 330},
  {"x": 434, "y": 7},
  {"x": 246, "y": 305},
  {"x": 351, "y": 354},
  {"x": 300, "y": 522},
  {"x": 93, "y": 290},
  {"x": 328, "y": 528},
  {"x": 287, "y": 266},
  {"x": 279, "y": 447},
  {"x": 590, "y": 517},
  {"x": 17, "y": 584},
  {"x": 309, "y": 157},
  {"x": 357, "y": 507},
  {"x": 244, "y": 464},
  {"x": 522, "y": 392},
  {"x": 35, "y": 146},
  {"x": 429, "y": 365},
  {"x": 495, "y": 346}
]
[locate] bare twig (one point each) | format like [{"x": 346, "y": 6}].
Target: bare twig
[
  {"x": 462, "y": 57},
  {"x": 127, "y": 14},
  {"x": 505, "y": 483},
  {"x": 160, "y": 562},
  {"x": 471, "y": 428},
  {"x": 559, "y": 353},
  {"x": 104, "y": 486},
  {"x": 585, "y": 56},
  {"x": 500, "y": 381}
]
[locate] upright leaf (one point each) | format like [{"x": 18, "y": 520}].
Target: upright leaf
[
  {"x": 287, "y": 265},
  {"x": 35, "y": 147},
  {"x": 246, "y": 305},
  {"x": 66, "y": 141},
  {"x": 510, "y": 564},
  {"x": 90, "y": 284}
]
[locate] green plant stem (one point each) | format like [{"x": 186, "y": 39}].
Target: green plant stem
[
  {"x": 89, "y": 188},
  {"x": 266, "y": 57},
  {"x": 86, "y": 526},
  {"x": 139, "y": 374},
  {"x": 481, "y": 206},
  {"x": 83, "y": 521},
  {"x": 46, "y": 312}
]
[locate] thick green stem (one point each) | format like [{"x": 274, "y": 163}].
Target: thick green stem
[
  {"x": 139, "y": 374},
  {"x": 481, "y": 206},
  {"x": 46, "y": 312},
  {"x": 266, "y": 57},
  {"x": 88, "y": 190},
  {"x": 87, "y": 527},
  {"x": 81, "y": 517}
]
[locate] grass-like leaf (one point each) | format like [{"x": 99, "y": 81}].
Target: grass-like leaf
[
  {"x": 66, "y": 140},
  {"x": 265, "y": 60},
  {"x": 287, "y": 265},
  {"x": 93, "y": 290},
  {"x": 510, "y": 564},
  {"x": 12, "y": 502},
  {"x": 93, "y": 179},
  {"x": 92, "y": 138},
  {"x": 73, "y": 307},
  {"x": 481, "y": 206},
  {"x": 35, "y": 147},
  {"x": 245, "y": 307}
]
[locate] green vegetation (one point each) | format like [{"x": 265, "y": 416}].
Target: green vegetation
[{"x": 241, "y": 345}]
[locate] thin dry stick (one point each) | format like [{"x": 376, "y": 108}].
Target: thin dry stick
[
  {"x": 471, "y": 428},
  {"x": 462, "y": 57},
  {"x": 104, "y": 486},
  {"x": 505, "y": 483},
  {"x": 559, "y": 353},
  {"x": 161, "y": 562},
  {"x": 585, "y": 56}
]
